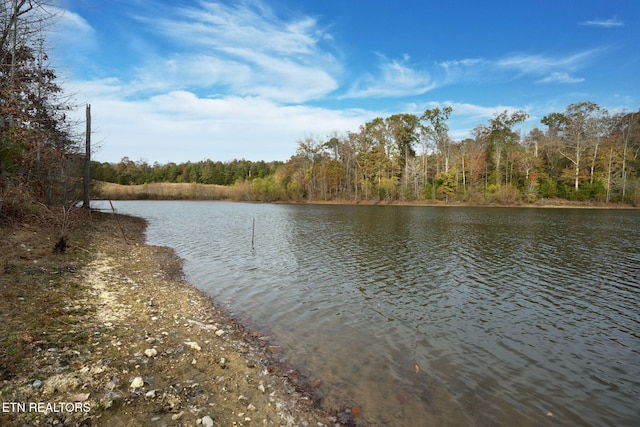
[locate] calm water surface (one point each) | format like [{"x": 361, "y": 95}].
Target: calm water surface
[{"x": 431, "y": 316}]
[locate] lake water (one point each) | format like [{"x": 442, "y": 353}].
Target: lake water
[{"x": 430, "y": 315}]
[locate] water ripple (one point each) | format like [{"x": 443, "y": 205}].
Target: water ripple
[{"x": 453, "y": 316}]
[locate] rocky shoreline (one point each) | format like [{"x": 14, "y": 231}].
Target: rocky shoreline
[{"x": 109, "y": 334}]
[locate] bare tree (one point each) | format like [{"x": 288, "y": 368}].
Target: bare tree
[{"x": 36, "y": 148}]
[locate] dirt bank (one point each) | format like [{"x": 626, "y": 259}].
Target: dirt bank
[{"x": 107, "y": 334}]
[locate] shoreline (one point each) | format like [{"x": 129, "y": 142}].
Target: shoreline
[
  {"x": 124, "y": 337},
  {"x": 209, "y": 192}
]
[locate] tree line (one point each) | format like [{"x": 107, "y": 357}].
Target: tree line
[
  {"x": 128, "y": 172},
  {"x": 584, "y": 153},
  {"x": 39, "y": 160}
]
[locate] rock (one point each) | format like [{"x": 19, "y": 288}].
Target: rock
[
  {"x": 80, "y": 397},
  {"x": 194, "y": 345},
  {"x": 150, "y": 352},
  {"x": 177, "y": 416},
  {"x": 96, "y": 370},
  {"x": 137, "y": 382},
  {"x": 250, "y": 407},
  {"x": 261, "y": 387},
  {"x": 207, "y": 421},
  {"x": 219, "y": 332},
  {"x": 36, "y": 384},
  {"x": 150, "y": 394}
]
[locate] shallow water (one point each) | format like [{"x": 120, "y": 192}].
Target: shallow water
[{"x": 431, "y": 315}]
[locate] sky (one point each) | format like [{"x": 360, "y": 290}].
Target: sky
[{"x": 187, "y": 80}]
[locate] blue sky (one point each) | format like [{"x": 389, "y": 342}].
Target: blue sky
[{"x": 179, "y": 80}]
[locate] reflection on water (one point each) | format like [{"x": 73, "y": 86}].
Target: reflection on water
[{"x": 431, "y": 316}]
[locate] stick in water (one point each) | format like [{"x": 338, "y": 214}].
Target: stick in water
[
  {"x": 253, "y": 233},
  {"x": 118, "y": 221}
]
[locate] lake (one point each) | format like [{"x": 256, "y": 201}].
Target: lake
[{"x": 430, "y": 315}]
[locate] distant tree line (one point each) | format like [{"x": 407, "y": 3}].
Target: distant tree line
[
  {"x": 39, "y": 161},
  {"x": 128, "y": 172},
  {"x": 583, "y": 154}
]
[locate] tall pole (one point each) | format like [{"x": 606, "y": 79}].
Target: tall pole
[{"x": 87, "y": 162}]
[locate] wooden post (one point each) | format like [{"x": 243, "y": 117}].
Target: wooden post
[
  {"x": 87, "y": 162},
  {"x": 253, "y": 234}
]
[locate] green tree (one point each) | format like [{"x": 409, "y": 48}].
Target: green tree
[
  {"x": 404, "y": 129},
  {"x": 576, "y": 130},
  {"x": 502, "y": 140},
  {"x": 436, "y": 129}
]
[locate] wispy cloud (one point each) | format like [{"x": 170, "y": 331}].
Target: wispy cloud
[
  {"x": 604, "y": 23},
  {"x": 534, "y": 64},
  {"x": 70, "y": 29},
  {"x": 544, "y": 68},
  {"x": 560, "y": 78},
  {"x": 395, "y": 78},
  {"x": 250, "y": 50}
]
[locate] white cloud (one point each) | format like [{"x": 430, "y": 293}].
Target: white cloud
[
  {"x": 540, "y": 64},
  {"x": 604, "y": 23},
  {"x": 248, "y": 50},
  {"x": 547, "y": 69},
  {"x": 561, "y": 78},
  {"x": 395, "y": 79},
  {"x": 71, "y": 34},
  {"x": 180, "y": 126}
]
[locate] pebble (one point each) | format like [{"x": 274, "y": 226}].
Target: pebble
[
  {"x": 219, "y": 332},
  {"x": 137, "y": 382},
  {"x": 261, "y": 387},
  {"x": 150, "y": 394},
  {"x": 36, "y": 384},
  {"x": 151, "y": 352},
  {"x": 194, "y": 345},
  {"x": 207, "y": 421}
]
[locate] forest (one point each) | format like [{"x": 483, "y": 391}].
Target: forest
[{"x": 584, "y": 153}]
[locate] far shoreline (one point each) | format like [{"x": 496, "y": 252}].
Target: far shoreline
[{"x": 204, "y": 192}]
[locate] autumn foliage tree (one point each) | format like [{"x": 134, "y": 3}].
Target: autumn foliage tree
[{"x": 37, "y": 151}]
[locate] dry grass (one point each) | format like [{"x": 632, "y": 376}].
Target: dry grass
[{"x": 162, "y": 191}]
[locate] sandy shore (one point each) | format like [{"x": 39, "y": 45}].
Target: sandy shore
[{"x": 108, "y": 334}]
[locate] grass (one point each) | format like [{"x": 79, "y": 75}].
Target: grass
[
  {"x": 40, "y": 302},
  {"x": 162, "y": 191}
]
